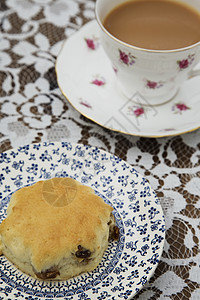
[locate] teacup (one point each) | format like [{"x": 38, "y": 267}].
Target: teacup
[{"x": 155, "y": 75}]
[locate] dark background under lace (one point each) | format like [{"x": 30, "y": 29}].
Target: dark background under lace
[{"x": 29, "y": 45}]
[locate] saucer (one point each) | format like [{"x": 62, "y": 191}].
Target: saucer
[{"x": 88, "y": 81}]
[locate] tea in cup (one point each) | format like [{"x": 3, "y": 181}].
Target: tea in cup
[{"x": 153, "y": 45}]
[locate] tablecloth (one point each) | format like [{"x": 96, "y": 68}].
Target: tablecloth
[{"x": 33, "y": 109}]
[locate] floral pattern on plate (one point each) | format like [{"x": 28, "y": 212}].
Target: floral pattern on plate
[
  {"x": 98, "y": 80},
  {"x": 136, "y": 110},
  {"x": 85, "y": 103},
  {"x": 179, "y": 107},
  {"x": 128, "y": 263},
  {"x": 92, "y": 43}
]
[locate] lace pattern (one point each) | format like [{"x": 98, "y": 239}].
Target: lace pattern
[{"x": 32, "y": 109}]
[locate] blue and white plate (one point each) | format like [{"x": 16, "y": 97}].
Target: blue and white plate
[{"x": 128, "y": 263}]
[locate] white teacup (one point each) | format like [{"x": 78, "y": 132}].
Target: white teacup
[{"x": 155, "y": 75}]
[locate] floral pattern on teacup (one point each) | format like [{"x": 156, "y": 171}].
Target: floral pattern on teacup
[
  {"x": 185, "y": 63},
  {"x": 98, "y": 80},
  {"x": 153, "y": 84},
  {"x": 92, "y": 43},
  {"x": 180, "y": 107},
  {"x": 127, "y": 59}
]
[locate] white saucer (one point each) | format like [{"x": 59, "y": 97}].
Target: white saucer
[{"x": 87, "y": 79}]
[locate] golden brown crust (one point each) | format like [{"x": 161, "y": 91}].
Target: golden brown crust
[{"x": 48, "y": 224}]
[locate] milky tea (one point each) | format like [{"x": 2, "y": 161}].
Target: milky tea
[{"x": 154, "y": 24}]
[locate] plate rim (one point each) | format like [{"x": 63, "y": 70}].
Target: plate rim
[{"x": 59, "y": 144}]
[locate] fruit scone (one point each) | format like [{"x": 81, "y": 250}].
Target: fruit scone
[{"x": 56, "y": 229}]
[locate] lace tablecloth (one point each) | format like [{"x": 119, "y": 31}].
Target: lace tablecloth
[{"x": 33, "y": 109}]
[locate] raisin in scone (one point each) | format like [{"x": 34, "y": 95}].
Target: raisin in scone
[{"x": 56, "y": 229}]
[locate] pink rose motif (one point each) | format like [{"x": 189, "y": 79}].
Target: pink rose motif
[
  {"x": 151, "y": 84},
  {"x": 98, "y": 82},
  {"x": 115, "y": 69},
  {"x": 85, "y": 103},
  {"x": 127, "y": 59},
  {"x": 183, "y": 64},
  {"x": 91, "y": 43},
  {"x": 124, "y": 57},
  {"x": 182, "y": 106},
  {"x": 138, "y": 111}
]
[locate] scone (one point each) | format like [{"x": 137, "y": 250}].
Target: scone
[{"x": 56, "y": 229}]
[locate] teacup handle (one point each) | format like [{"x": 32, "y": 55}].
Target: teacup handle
[{"x": 194, "y": 73}]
